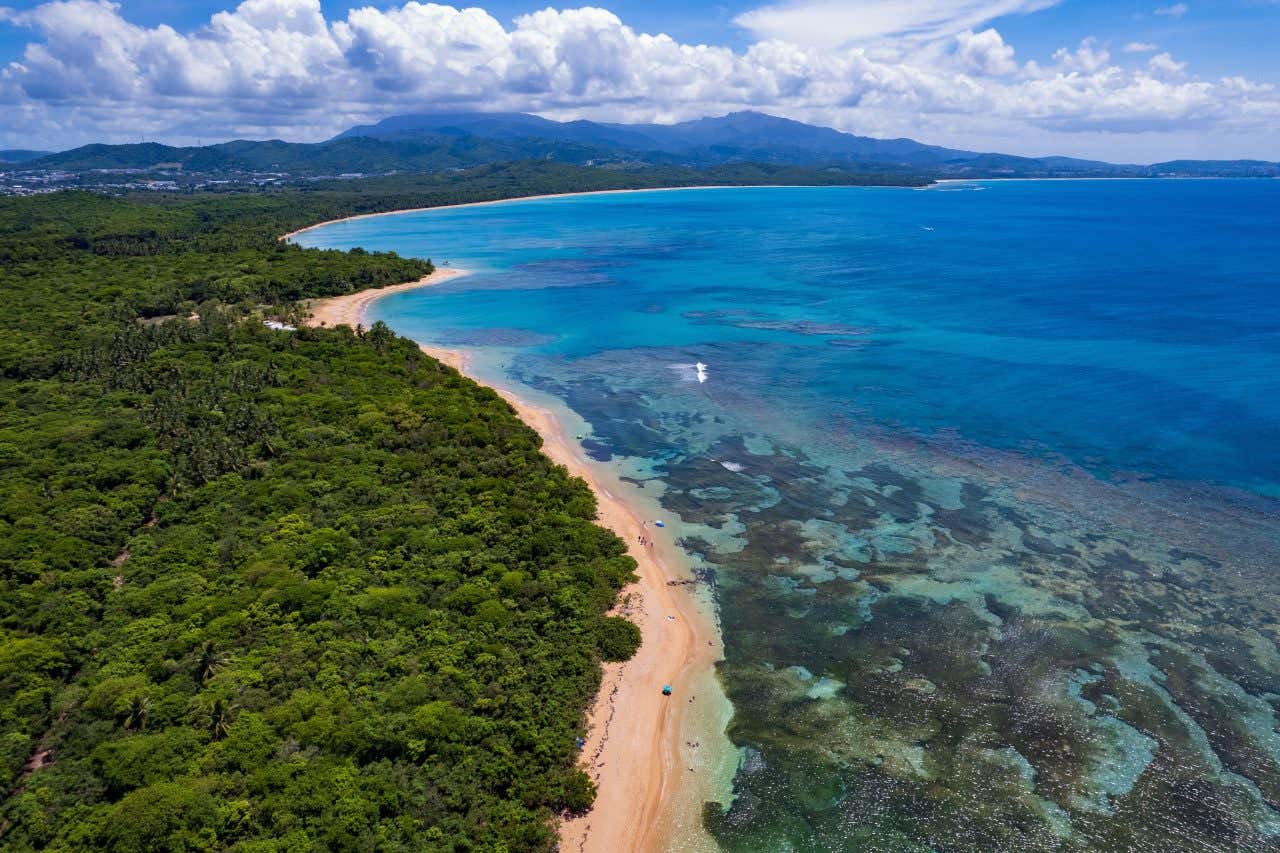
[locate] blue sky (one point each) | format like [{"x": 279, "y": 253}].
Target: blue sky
[
  {"x": 687, "y": 21},
  {"x": 1222, "y": 37},
  {"x": 1121, "y": 80}
]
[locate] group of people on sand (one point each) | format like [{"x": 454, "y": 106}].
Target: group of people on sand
[{"x": 645, "y": 540}]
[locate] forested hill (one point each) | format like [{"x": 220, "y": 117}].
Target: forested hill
[
  {"x": 451, "y": 140},
  {"x": 271, "y": 590}
]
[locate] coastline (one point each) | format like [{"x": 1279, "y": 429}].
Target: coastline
[
  {"x": 651, "y": 782},
  {"x": 541, "y": 197},
  {"x": 350, "y": 308}
]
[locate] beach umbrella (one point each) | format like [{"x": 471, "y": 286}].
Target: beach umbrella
[{"x": 666, "y": 690}]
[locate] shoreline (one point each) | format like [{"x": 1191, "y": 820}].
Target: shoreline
[
  {"x": 933, "y": 182},
  {"x": 349, "y": 309},
  {"x": 636, "y": 750},
  {"x": 545, "y": 196}
]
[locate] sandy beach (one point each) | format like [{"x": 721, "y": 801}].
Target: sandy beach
[
  {"x": 649, "y": 781},
  {"x": 349, "y": 309}
]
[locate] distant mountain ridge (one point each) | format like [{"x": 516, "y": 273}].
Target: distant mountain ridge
[
  {"x": 21, "y": 155},
  {"x": 445, "y": 140},
  {"x": 736, "y": 137}
]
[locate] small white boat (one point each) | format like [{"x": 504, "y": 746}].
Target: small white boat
[{"x": 702, "y": 372}]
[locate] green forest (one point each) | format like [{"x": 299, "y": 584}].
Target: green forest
[{"x": 276, "y": 590}]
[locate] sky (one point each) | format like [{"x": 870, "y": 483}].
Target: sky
[{"x": 1121, "y": 80}]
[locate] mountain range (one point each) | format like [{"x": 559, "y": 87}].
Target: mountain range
[{"x": 439, "y": 141}]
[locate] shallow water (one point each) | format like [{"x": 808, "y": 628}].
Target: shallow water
[{"x": 985, "y": 479}]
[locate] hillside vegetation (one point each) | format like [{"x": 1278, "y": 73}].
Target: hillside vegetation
[
  {"x": 441, "y": 141},
  {"x": 269, "y": 590}
]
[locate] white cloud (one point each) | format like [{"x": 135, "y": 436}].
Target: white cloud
[
  {"x": 832, "y": 23},
  {"x": 985, "y": 53},
  {"x": 279, "y": 68},
  {"x": 1141, "y": 47},
  {"x": 1087, "y": 58},
  {"x": 1177, "y": 10},
  {"x": 1164, "y": 65}
]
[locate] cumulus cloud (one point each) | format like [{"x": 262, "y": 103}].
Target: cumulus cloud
[
  {"x": 1177, "y": 10},
  {"x": 985, "y": 52},
  {"x": 280, "y": 68},
  {"x": 1088, "y": 58}
]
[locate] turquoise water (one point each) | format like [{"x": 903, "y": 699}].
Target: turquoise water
[{"x": 985, "y": 477}]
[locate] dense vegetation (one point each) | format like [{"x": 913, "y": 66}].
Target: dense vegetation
[
  {"x": 271, "y": 590},
  {"x": 458, "y": 141},
  {"x": 325, "y": 158},
  {"x": 437, "y": 141}
]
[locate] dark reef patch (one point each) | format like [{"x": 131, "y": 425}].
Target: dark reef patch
[{"x": 932, "y": 661}]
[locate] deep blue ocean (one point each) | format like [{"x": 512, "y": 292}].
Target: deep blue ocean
[{"x": 985, "y": 478}]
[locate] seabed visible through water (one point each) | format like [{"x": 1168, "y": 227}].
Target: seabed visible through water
[{"x": 983, "y": 485}]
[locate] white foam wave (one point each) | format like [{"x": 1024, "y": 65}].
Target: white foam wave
[{"x": 691, "y": 372}]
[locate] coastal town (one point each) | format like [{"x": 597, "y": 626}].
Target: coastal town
[{"x": 17, "y": 181}]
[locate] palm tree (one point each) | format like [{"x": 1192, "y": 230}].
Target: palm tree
[
  {"x": 208, "y": 661},
  {"x": 135, "y": 716},
  {"x": 220, "y": 718}
]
